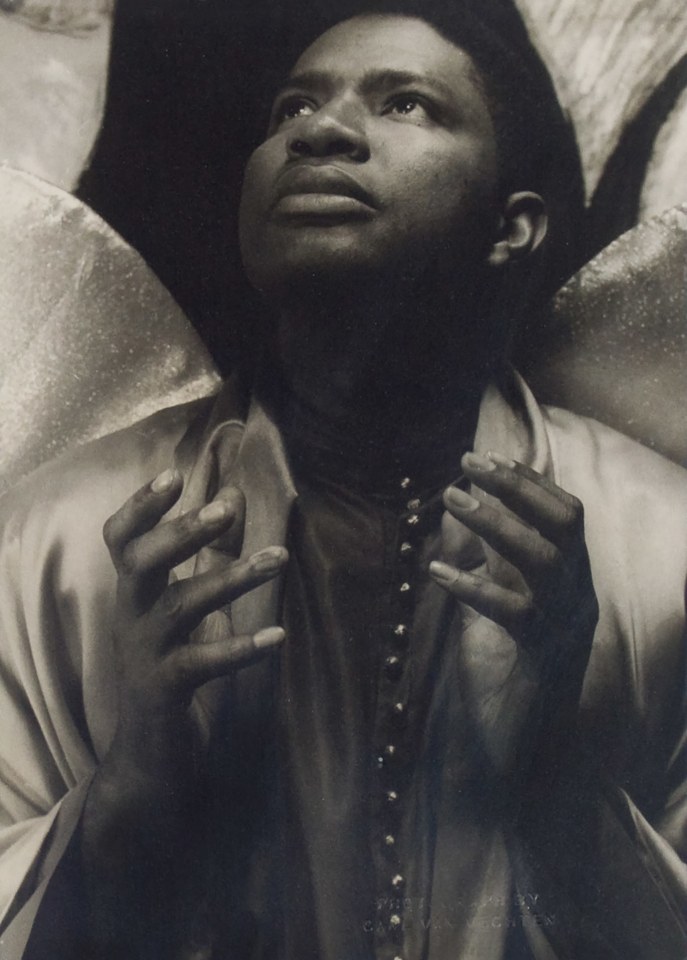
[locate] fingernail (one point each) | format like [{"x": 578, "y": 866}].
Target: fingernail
[
  {"x": 441, "y": 571},
  {"x": 460, "y": 500},
  {"x": 269, "y": 637},
  {"x": 268, "y": 560},
  {"x": 500, "y": 460},
  {"x": 163, "y": 481},
  {"x": 478, "y": 462},
  {"x": 214, "y": 512}
]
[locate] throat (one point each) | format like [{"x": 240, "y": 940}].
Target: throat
[
  {"x": 388, "y": 428},
  {"x": 391, "y": 390}
]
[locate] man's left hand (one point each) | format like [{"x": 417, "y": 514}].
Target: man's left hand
[{"x": 530, "y": 613}]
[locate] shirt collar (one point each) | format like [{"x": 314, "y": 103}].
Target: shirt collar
[{"x": 245, "y": 447}]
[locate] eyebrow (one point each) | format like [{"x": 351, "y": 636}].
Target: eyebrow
[{"x": 371, "y": 81}]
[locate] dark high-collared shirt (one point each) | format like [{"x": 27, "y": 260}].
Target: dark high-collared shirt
[{"x": 378, "y": 776}]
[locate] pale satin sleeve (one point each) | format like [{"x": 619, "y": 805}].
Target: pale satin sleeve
[
  {"x": 45, "y": 757},
  {"x": 57, "y": 674},
  {"x": 604, "y": 841}
]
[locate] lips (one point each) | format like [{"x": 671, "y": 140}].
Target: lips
[{"x": 326, "y": 181}]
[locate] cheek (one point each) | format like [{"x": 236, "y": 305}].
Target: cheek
[
  {"x": 450, "y": 197},
  {"x": 257, "y": 179}
]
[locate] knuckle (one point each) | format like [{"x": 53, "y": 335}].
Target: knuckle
[
  {"x": 495, "y": 522},
  {"x": 477, "y": 585},
  {"x": 174, "y": 671},
  {"x": 187, "y": 522},
  {"x": 110, "y": 533},
  {"x": 186, "y": 662},
  {"x": 593, "y": 609},
  {"x": 234, "y": 498},
  {"x": 142, "y": 496},
  {"x": 186, "y": 527},
  {"x": 573, "y": 512},
  {"x": 524, "y": 613},
  {"x": 128, "y": 560},
  {"x": 516, "y": 481},
  {"x": 524, "y": 607},
  {"x": 549, "y": 555},
  {"x": 172, "y": 602}
]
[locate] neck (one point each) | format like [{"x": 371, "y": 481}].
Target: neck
[{"x": 383, "y": 375}]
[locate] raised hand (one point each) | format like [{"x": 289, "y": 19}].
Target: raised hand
[
  {"x": 148, "y": 777},
  {"x": 530, "y": 613}
]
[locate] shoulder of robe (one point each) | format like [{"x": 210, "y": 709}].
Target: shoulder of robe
[
  {"x": 635, "y": 509},
  {"x": 598, "y": 460},
  {"x": 635, "y": 517},
  {"x": 82, "y": 488}
]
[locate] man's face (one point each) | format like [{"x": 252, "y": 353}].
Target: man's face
[{"x": 380, "y": 160}]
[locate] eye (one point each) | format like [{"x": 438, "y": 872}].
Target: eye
[
  {"x": 410, "y": 105},
  {"x": 291, "y": 108}
]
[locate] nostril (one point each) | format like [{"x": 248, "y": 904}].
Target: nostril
[
  {"x": 342, "y": 146},
  {"x": 301, "y": 147},
  {"x": 324, "y": 142}
]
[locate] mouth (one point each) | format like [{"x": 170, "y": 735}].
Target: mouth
[{"x": 321, "y": 192}]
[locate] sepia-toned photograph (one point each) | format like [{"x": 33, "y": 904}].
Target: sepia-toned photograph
[{"x": 343, "y": 490}]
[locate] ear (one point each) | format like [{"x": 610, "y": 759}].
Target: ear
[{"x": 522, "y": 228}]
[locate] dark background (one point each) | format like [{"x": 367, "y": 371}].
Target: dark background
[{"x": 188, "y": 87}]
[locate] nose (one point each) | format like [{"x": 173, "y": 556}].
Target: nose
[{"x": 332, "y": 130}]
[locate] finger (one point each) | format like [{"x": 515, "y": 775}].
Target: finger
[
  {"x": 146, "y": 561},
  {"x": 194, "y": 664},
  {"x": 511, "y": 610},
  {"x": 185, "y": 603},
  {"x": 555, "y": 513},
  {"x": 141, "y": 512},
  {"x": 230, "y": 541},
  {"x": 536, "y": 559}
]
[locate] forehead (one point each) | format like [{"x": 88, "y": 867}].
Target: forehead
[{"x": 350, "y": 50}]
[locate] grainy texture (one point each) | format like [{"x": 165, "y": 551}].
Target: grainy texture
[
  {"x": 91, "y": 340},
  {"x": 52, "y": 93},
  {"x": 606, "y": 57},
  {"x": 666, "y": 180},
  {"x": 69, "y": 16},
  {"x": 616, "y": 347}
]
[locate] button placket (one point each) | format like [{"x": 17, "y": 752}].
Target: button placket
[{"x": 392, "y": 758}]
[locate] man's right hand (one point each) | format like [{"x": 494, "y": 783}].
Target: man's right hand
[{"x": 147, "y": 777}]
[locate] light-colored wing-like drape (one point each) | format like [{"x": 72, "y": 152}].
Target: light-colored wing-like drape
[
  {"x": 616, "y": 348},
  {"x": 91, "y": 340}
]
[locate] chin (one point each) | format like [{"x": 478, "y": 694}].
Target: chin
[{"x": 301, "y": 272}]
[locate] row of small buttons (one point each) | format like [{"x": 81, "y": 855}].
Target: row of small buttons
[{"x": 390, "y": 760}]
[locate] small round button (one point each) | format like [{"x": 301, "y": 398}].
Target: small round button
[
  {"x": 405, "y": 587},
  {"x": 412, "y": 520},
  {"x": 401, "y": 631},
  {"x": 389, "y": 840},
  {"x": 393, "y": 666},
  {"x": 399, "y": 709},
  {"x": 395, "y": 920},
  {"x": 406, "y": 483},
  {"x": 398, "y": 881},
  {"x": 414, "y": 504},
  {"x": 392, "y": 796},
  {"x": 390, "y": 750},
  {"x": 406, "y": 549}
]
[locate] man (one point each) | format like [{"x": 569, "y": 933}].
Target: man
[{"x": 467, "y": 742}]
